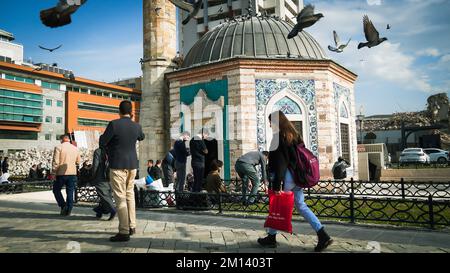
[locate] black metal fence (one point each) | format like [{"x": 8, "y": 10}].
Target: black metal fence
[{"x": 415, "y": 203}]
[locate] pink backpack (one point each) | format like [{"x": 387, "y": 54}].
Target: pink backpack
[{"x": 306, "y": 169}]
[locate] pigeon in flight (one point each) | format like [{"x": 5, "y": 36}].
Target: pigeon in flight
[
  {"x": 339, "y": 48},
  {"x": 305, "y": 18},
  {"x": 191, "y": 8},
  {"x": 50, "y": 49},
  {"x": 220, "y": 10},
  {"x": 372, "y": 35},
  {"x": 388, "y": 26},
  {"x": 60, "y": 15}
]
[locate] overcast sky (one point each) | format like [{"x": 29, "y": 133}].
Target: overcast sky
[{"x": 104, "y": 42}]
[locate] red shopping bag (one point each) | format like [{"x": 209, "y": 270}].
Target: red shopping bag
[{"x": 280, "y": 211}]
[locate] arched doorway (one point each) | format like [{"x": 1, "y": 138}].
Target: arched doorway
[{"x": 294, "y": 109}]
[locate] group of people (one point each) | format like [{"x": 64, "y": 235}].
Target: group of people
[{"x": 118, "y": 149}]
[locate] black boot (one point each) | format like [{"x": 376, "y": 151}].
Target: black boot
[
  {"x": 324, "y": 240},
  {"x": 120, "y": 238},
  {"x": 269, "y": 241}
]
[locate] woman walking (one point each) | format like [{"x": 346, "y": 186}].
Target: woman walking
[{"x": 281, "y": 156}]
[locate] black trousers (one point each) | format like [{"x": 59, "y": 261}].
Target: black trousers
[
  {"x": 198, "y": 178},
  {"x": 167, "y": 173},
  {"x": 105, "y": 193}
]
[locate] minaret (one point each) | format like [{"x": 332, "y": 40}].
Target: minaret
[{"x": 159, "y": 50}]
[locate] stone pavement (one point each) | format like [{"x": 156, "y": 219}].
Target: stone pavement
[{"x": 35, "y": 226}]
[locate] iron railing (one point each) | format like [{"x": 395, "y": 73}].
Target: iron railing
[{"x": 416, "y": 203}]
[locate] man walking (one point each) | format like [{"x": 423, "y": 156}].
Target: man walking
[
  {"x": 181, "y": 154},
  {"x": 198, "y": 151},
  {"x": 246, "y": 169},
  {"x": 65, "y": 160},
  {"x": 120, "y": 140}
]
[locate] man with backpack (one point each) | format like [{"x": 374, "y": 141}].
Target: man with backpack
[
  {"x": 100, "y": 180},
  {"x": 339, "y": 169}
]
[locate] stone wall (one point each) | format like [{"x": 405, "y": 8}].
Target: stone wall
[{"x": 21, "y": 162}]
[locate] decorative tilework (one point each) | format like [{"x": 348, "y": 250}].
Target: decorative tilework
[
  {"x": 303, "y": 89},
  {"x": 287, "y": 106},
  {"x": 341, "y": 92}
]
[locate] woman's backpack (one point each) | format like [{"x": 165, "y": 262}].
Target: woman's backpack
[{"x": 306, "y": 170}]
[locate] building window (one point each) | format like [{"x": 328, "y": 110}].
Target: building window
[
  {"x": 50, "y": 85},
  {"x": 48, "y": 102},
  {"x": 59, "y": 103},
  {"x": 19, "y": 79},
  {"x": 345, "y": 142},
  {"x": 23, "y": 135},
  {"x": 48, "y": 119},
  {"x": 59, "y": 120},
  {"x": 92, "y": 122},
  {"x": 97, "y": 107},
  {"x": 48, "y": 137},
  {"x": 20, "y": 106}
]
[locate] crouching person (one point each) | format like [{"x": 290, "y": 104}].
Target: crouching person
[{"x": 100, "y": 180}]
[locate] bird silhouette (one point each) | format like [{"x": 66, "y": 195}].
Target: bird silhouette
[
  {"x": 220, "y": 10},
  {"x": 60, "y": 14},
  {"x": 388, "y": 26},
  {"x": 157, "y": 10},
  {"x": 339, "y": 48},
  {"x": 191, "y": 8},
  {"x": 371, "y": 33},
  {"x": 305, "y": 18},
  {"x": 50, "y": 49}
]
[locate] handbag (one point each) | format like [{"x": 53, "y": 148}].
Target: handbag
[{"x": 280, "y": 211}]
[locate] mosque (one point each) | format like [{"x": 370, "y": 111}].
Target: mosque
[{"x": 233, "y": 78}]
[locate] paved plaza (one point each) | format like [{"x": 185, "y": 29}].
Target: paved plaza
[{"x": 31, "y": 223}]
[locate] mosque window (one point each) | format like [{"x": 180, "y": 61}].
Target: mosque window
[{"x": 345, "y": 142}]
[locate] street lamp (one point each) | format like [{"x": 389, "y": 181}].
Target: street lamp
[{"x": 360, "y": 119}]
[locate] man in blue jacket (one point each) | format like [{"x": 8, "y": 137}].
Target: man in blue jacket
[{"x": 120, "y": 140}]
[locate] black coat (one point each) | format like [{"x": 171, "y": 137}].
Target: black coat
[
  {"x": 100, "y": 167},
  {"x": 280, "y": 158},
  {"x": 120, "y": 140}
]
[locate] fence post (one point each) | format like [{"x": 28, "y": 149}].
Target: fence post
[
  {"x": 402, "y": 183},
  {"x": 352, "y": 202},
  {"x": 430, "y": 211},
  {"x": 141, "y": 198},
  {"x": 220, "y": 203}
]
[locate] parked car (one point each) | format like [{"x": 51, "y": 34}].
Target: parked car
[
  {"x": 437, "y": 155},
  {"x": 414, "y": 155}
]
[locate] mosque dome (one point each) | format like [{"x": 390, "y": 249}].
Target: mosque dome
[{"x": 256, "y": 37}]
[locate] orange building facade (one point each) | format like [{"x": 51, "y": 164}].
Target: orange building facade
[{"x": 36, "y": 107}]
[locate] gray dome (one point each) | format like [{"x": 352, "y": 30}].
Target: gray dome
[{"x": 253, "y": 37}]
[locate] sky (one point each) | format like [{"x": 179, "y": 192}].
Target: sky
[{"x": 104, "y": 42}]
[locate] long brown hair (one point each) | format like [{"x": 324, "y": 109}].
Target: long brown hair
[{"x": 287, "y": 129}]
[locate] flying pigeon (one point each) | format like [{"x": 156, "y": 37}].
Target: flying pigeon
[
  {"x": 305, "y": 18},
  {"x": 157, "y": 10},
  {"x": 388, "y": 26},
  {"x": 339, "y": 48},
  {"x": 50, "y": 49},
  {"x": 60, "y": 15},
  {"x": 191, "y": 8},
  {"x": 372, "y": 35},
  {"x": 220, "y": 10}
]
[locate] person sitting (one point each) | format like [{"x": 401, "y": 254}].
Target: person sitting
[
  {"x": 155, "y": 171},
  {"x": 40, "y": 171},
  {"x": 214, "y": 183},
  {"x": 85, "y": 174},
  {"x": 339, "y": 169},
  {"x": 32, "y": 175}
]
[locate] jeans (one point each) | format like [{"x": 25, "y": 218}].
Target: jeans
[
  {"x": 199, "y": 171},
  {"x": 181, "y": 175},
  {"x": 248, "y": 172},
  {"x": 299, "y": 201},
  {"x": 69, "y": 181}
]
